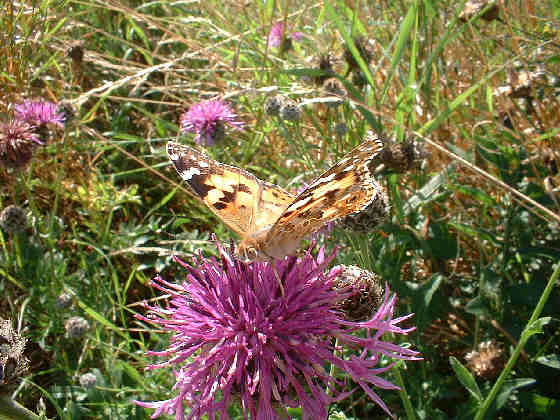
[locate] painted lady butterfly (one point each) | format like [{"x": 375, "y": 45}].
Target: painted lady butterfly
[{"x": 270, "y": 220}]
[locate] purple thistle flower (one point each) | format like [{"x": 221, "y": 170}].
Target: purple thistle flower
[
  {"x": 276, "y": 33},
  {"x": 207, "y": 119},
  {"x": 17, "y": 140},
  {"x": 40, "y": 113},
  {"x": 261, "y": 333}
]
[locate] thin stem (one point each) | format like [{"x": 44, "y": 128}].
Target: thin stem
[
  {"x": 404, "y": 395},
  {"x": 525, "y": 335}
]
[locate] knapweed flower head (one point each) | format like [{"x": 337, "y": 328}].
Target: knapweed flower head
[
  {"x": 40, "y": 113},
  {"x": 207, "y": 120},
  {"x": 277, "y": 32},
  {"x": 261, "y": 334},
  {"x": 17, "y": 140}
]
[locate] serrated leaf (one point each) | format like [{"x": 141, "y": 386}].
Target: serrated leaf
[{"x": 466, "y": 378}]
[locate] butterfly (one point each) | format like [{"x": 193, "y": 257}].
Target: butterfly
[{"x": 270, "y": 220}]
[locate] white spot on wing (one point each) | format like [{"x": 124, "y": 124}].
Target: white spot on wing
[
  {"x": 300, "y": 203},
  {"x": 323, "y": 180},
  {"x": 189, "y": 173},
  {"x": 203, "y": 164}
]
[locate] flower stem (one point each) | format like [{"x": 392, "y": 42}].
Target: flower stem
[
  {"x": 525, "y": 335},
  {"x": 11, "y": 410},
  {"x": 404, "y": 396}
]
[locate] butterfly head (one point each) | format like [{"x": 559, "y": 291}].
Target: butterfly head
[
  {"x": 248, "y": 252},
  {"x": 249, "y": 249}
]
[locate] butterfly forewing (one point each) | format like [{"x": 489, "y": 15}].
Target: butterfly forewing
[
  {"x": 241, "y": 200},
  {"x": 347, "y": 187}
]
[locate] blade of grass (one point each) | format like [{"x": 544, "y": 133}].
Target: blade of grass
[{"x": 403, "y": 34}]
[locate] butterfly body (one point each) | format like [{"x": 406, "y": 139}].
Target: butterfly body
[{"x": 270, "y": 220}]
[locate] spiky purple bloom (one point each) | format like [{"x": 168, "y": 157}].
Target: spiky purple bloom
[
  {"x": 40, "y": 113},
  {"x": 17, "y": 140},
  {"x": 276, "y": 33},
  {"x": 261, "y": 333},
  {"x": 207, "y": 120}
]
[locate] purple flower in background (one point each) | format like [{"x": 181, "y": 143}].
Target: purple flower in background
[
  {"x": 39, "y": 113},
  {"x": 261, "y": 333},
  {"x": 17, "y": 141},
  {"x": 207, "y": 119},
  {"x": 276, "y": 33}
]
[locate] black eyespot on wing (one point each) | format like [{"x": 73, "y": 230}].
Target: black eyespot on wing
[
  {"x": 229, "y": 197},
  {"x": 219, "y": 205},
  {"x": 197, "y": 184}
]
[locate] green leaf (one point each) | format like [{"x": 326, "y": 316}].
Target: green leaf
[
  {"x": 101, "y": 319},
  {"x": 430, "y": 287},
  {"x": 535, "y": 327},
  {"x": 550, "y": 360},
  {"x": 478, "y": 307},
  {"x": 476, "y": 233},
  {"x": 477, "y": 194},
  {"x": 510, "y": 386},
  {"x": 402, "y": 40},
  {"x": 466, "y": 378},
  {"x": 424, "y": 194}
]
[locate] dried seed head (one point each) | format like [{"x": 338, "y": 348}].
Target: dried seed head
[
  {"x": 13, "y": 219},
  {"x": 290, "y": 110},
  {"x": 474, "y": 7},
  {"x": 63, "y": 301},
  {"x": 340, "y": 129},
  {"x": 67, "y": 110},
  {"x": 88, "y": 380},
  {"x": 368, "y": 219},
  {"x": 399, "y": 157},
  {"x": 333, "y": 86},
  {"x": 487, "y": 360},
  {"x": 76, "y": 327},
  {"x": 366, "y": 292},
  {"x": 76, "y": 53},
  {"x": 325, "y": 63},
  {"x": 13, "y": 363},
  {"x": 364, "y": 50},
  {"x": 273, "y": 105}
]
